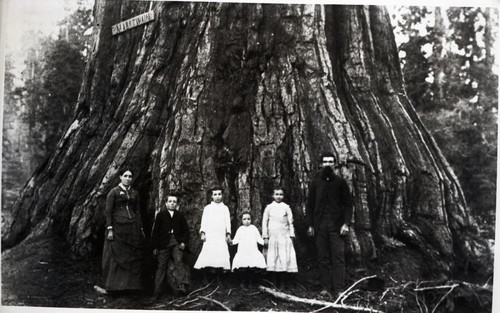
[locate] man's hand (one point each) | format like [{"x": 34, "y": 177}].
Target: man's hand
[
  {"x": 266, "y": 241},
  {"x": 182, "y": 246},
  {"x": 228, "y": 238},
  {"x": 344, "y": 230},
  {"x": 110, "y": 235},
  {"x": 310, "y": 231},
  {"x": 203, "y": 237},
  {"x": 155, "y": 251}
]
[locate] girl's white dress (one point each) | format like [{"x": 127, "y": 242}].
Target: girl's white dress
[
  {"x": 277, "y": 225},
  {"x": 248, "y": 255},
  {"x": 215, "y": 223}
]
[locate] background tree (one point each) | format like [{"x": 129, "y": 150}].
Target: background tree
[
  {"x": 60, "y": 81},
  {"x": 41, "y": 109},
  {"x": 55, "y": 74},
  {"x": 414, "y": 61},
  {"x": 15, "y": 166},
  {"x": 449, "y": 78},
  {"x": 246, "y": 96},
  {"x": 76, "y": 29}
]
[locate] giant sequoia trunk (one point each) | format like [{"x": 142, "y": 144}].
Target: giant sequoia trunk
[{"x": 247, "y": 96}]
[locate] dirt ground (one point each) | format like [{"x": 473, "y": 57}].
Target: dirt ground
[{"x": 42, "y": 273}]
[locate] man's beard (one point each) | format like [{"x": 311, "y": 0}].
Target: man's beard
[{"x": 327, "y": 172}]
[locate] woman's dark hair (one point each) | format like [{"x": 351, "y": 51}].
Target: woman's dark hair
[{"x": 125, "y": 169}]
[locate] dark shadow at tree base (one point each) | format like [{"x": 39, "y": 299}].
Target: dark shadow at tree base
[{"x": 42, "y": 272}]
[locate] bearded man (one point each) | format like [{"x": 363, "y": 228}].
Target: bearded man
[{"x": 328, "y": 215}]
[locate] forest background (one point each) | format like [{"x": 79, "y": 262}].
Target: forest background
[{"x": 447, "y": 57}]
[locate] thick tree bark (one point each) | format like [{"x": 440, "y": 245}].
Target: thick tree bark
[{"x": 247, "y": 96}]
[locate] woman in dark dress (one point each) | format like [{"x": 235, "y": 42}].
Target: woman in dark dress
[{"x": 124, "y": 246}]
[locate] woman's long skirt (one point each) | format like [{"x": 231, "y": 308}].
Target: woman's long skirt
[{"x": 122, "y": 259}]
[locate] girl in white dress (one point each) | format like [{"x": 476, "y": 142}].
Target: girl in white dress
[
  {"x": 215, "y": 232},
  {"x": 278, "y": 232},
  {"x": 248, "y": 259}
]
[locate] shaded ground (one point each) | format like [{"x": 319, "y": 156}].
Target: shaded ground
[{"x": 42, "y": 273}]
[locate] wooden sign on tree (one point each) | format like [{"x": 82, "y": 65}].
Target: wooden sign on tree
[{"x": 133, "y": 22}]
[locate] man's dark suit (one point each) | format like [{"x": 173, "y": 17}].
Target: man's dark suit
[{"x": 329, "y": 206}]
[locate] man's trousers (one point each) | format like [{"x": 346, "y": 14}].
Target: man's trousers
[{"x": 330, "y": 251}]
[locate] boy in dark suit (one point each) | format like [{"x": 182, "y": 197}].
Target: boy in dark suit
[{"x": 170, "y": 237}]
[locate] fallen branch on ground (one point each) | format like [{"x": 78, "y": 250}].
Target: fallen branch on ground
[
  {"x": 485, "y": 287},
  {"x": 418, "y": 303},
  {"x": 188, "y": 296},
  {"x": 341, "y": 296},
  {"x": 199, "y": 289},
  {"x": 270, "y": 283},
  {"x": 287, "y": 297},
  {"x": 212, "y": 291},
  {"x": 443, "y": 297},
  {"x": 386, "y": 291},
  {"x": 186, "y": 302},
  {"x": 216, "y": 302},
  {"x": 194, "y": 306},
  {"x": 320, "y": 309},
  {"x": 347, "y": 295},
  {"x": 437, "y": 287},
  {"x": 448, "y": 285}
]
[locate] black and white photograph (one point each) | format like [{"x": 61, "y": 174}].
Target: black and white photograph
[{"x": 262, "y": 156}]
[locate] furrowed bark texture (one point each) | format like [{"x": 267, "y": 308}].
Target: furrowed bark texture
[{"x": 247, "y": 96}]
